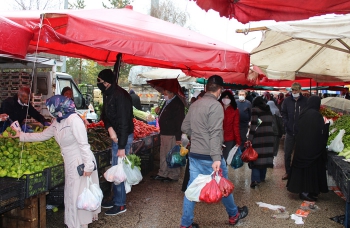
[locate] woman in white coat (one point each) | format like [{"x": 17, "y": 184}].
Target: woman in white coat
[{"x": 70, "y": 133}]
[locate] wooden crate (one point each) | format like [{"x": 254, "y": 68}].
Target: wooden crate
[{"x": 32, "y": 216}]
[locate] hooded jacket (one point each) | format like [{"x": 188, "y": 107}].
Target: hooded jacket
[{"x": 291, "y": 109}]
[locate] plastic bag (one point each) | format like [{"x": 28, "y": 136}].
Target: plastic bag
[
  {"x": 96, "y": 190},
  {"x": 116, "y": 173},
  {"x": 194, "y": 189},
  {"x": 226, "y": 187},
  {"x": 174, "y": 158},
  {"x": 133, "y": 175},
  {"x": 127, "y": 187},
  {"x": 87, "y": 200},
  {"x": 249, "y": 155},
  {"x": 184, "y": 140},
  {"x": 231, "y": 154},
  {"x": 337, "y": 144},
  {"x": 211, "y": 192},
  {"x": 237, "y": 160}
]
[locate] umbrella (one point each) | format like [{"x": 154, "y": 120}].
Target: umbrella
[
  {"x": 170, "y": 84},
  {"x": 317, "y": 48},
  {"x": 14, "y": 38},
  {"x": 247, "y": 10},
  {"x": 337, "y": 103},
  {"x": 101, "y": 34}
]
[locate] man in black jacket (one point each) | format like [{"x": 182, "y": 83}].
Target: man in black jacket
[
  {"x": 136, "y": 102},
  {"x": 291, "y": 108},
  {"x": 117, "y": 116},
  {"x": 16, "y": 107},
  {"x": 170, "y": 119}
]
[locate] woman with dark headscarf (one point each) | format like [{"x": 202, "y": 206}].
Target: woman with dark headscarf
[
  {"x": 280, "y": 99},
  {"x": 70, "y": 133},
  {"x": 231, "y": 122},
  {"x": 262, "y": 138},
  {"x": 67, "y": 92},
  {"x": 308, "y": 173}
]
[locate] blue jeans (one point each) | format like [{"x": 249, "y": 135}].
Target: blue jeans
[
  {"x": 258, "y": 175},
  {"x": 119, "y": 194},
  {"x": 198, "y": 166},
  {"x": 289, "y": 143}
]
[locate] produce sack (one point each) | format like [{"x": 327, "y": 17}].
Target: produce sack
[
  {"x": 194, "y": 189},
  {"x": 249, "y": 155},
  {"x": 174, "y": 158},
  {"x": 116, "y": 173},
  {"x": 237, "y": 160},
  {"x": 211, "y": 192},
  {"x": 133, "y": 175},
  {"x": 226, "y": 187},
  {"x": 337, "y": 144},
  {"x": 231, "y": 154},
  {"x": 87, "y": 200}
]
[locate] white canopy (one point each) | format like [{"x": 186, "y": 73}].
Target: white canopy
[
  {"x": 162, "y": 73},
  {"x": 317, "y": 48}
]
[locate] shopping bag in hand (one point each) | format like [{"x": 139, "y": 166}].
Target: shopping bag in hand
[
  {"x": 174, "y": 158},
  {"x": 211, "y": 192},
  {"x": 87, "y": 200},
  {"x": 194, "y": 189},
  {"x": 249, "y": 155},
  {"x": 133, "y": 175},
  {"x": 237, "y": 160},
  {"x": 231, "y": 154},
  {"x": 226, "y": 187},
  {"x": 116, "y": 173}
]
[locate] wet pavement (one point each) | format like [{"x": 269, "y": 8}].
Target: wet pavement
[{"x": 155, "y": 204}]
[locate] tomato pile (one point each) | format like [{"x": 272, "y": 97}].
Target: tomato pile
[
  {"x": 98, "y": 124},
  {"x": 141, "y": 129}
]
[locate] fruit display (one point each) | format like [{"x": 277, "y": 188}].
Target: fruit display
[
  {"x": 142, "y": 129},
  {"x": 343, "y": 122},
  {"x": 330, "y": 114},
  {"x": 18, "y": 158},
  {"x": 99, "y": 139}
]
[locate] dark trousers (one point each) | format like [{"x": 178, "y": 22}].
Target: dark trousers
[
  {"x": 289, "y": 143},
  {"x": 229, "y": 145}
]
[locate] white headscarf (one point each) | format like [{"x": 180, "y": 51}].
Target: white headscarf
[{"x": 274, "y": 109}]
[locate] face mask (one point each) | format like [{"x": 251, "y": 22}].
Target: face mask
[
  {"x": 226, "y": 101},
  {"x": 101, "y": 87},
  {"x": 295, "y": 95},
  {"x": 241, "y": 98},
  {"x": 166, "y": 98},
  {"x": 19, "y": 102}
]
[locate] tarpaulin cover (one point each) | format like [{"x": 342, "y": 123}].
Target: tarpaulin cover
[
  {"x": 279, "y": 10},
  {"x": 101, "y": 34},
  {"x": 14, "y": 38}
]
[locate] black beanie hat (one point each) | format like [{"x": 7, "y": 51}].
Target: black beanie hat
[{"x": 106, "y": 75}]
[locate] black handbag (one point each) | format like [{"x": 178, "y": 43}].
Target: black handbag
[{"x": 81, "y": 167}]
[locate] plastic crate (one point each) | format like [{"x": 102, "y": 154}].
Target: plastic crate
[
  {"x": 103, "y": 158},
  {"x": 137, "y": 146},
  {"x": 55, "y": 176},
  {"x": 148, "y": 143},
  {"x": 146, "y": 163},
  {"x": 35, "y": 183},
  {"x": 155, "y": 150},
  {"x": 56, "y": 196},
  {"x": 156, "y": 140},
  {"x": 12, "y": 194}
]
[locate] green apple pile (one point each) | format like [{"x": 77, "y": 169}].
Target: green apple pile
[
  {"x": 17, "y": 158},
  {"x": 8, "y": 132}
]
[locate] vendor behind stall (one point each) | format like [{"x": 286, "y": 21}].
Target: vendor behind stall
[{"x": 16, "y": 108}]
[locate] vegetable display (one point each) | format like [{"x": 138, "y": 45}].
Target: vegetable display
[
  {"x": 99, "y": 139},
  {"x": 343, "y": 122},
  {"x": 135, "y": 161},
  {"x": 145, "y": 116},
  {"x": 142, "y": 129},
  {"x": 330, "y": 114}
]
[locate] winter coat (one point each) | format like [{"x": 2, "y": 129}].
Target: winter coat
[{"x": 231, "y": 125}]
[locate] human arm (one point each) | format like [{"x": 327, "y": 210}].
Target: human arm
[
  {"x": 179, "y": 116},
  {"x": 284, "y": 112},
  {"x": 36, "y": 115},
  {"x": 48, "y": 133},
  {"x": 186, "y": 123},
  {"x": 215, "y": 130},
  {"x": 235, "y": 127},
  {"x": 125, "y": 114}
]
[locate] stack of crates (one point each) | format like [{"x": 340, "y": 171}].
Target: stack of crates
[
  {"x": 37, "y": 102},
  {"x": 12, "y": 80}
]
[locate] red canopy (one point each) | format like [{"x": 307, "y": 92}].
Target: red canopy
[
  {"x": 279, "y": 10},
  {"x": 14, "y": 38},
  {"x": 143, "y": 40}
]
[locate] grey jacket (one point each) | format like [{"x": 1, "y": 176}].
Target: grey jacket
[{"x": 203, "y": 123}]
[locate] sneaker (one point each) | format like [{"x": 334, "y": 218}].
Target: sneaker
[
  {"x": 107, "y": 204},
  {"x": 241, "y": 214},
  {"x": 116, "y": 210},
  {"x": 193, "y": 225}
]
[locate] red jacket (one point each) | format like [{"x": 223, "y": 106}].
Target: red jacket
[{"x": 231, "y": 125}]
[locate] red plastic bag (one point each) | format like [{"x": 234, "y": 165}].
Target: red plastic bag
[
  {"x": 226, "y": 187},
  {"x": 210, "y": 193},
  {"x": 249, "y": 154}
]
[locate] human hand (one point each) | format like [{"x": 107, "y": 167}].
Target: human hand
[
  {"x": 178, "y": 143},
  {"x": 86, "y": 174},
  {"x": 121, "y": 153},
  {"x": 216, "y": 166},
  {"x": 112, "y": 134},
  {"x": 4, "y": 117}
]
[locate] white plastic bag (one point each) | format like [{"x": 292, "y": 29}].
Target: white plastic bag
[
  {"x": 184, "y": 140},
  {"x": 133, "y": 175},
  {"x": 116, "y": 173},
  {"x": 96, "y": 190},
  {"x": 231, "y": 154},
  {"x": 194, "y": 189},
  {"x": 337, "y": 144},
  {"x": 87, "y": 200},
  {"x": 127, "y": 187}
]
